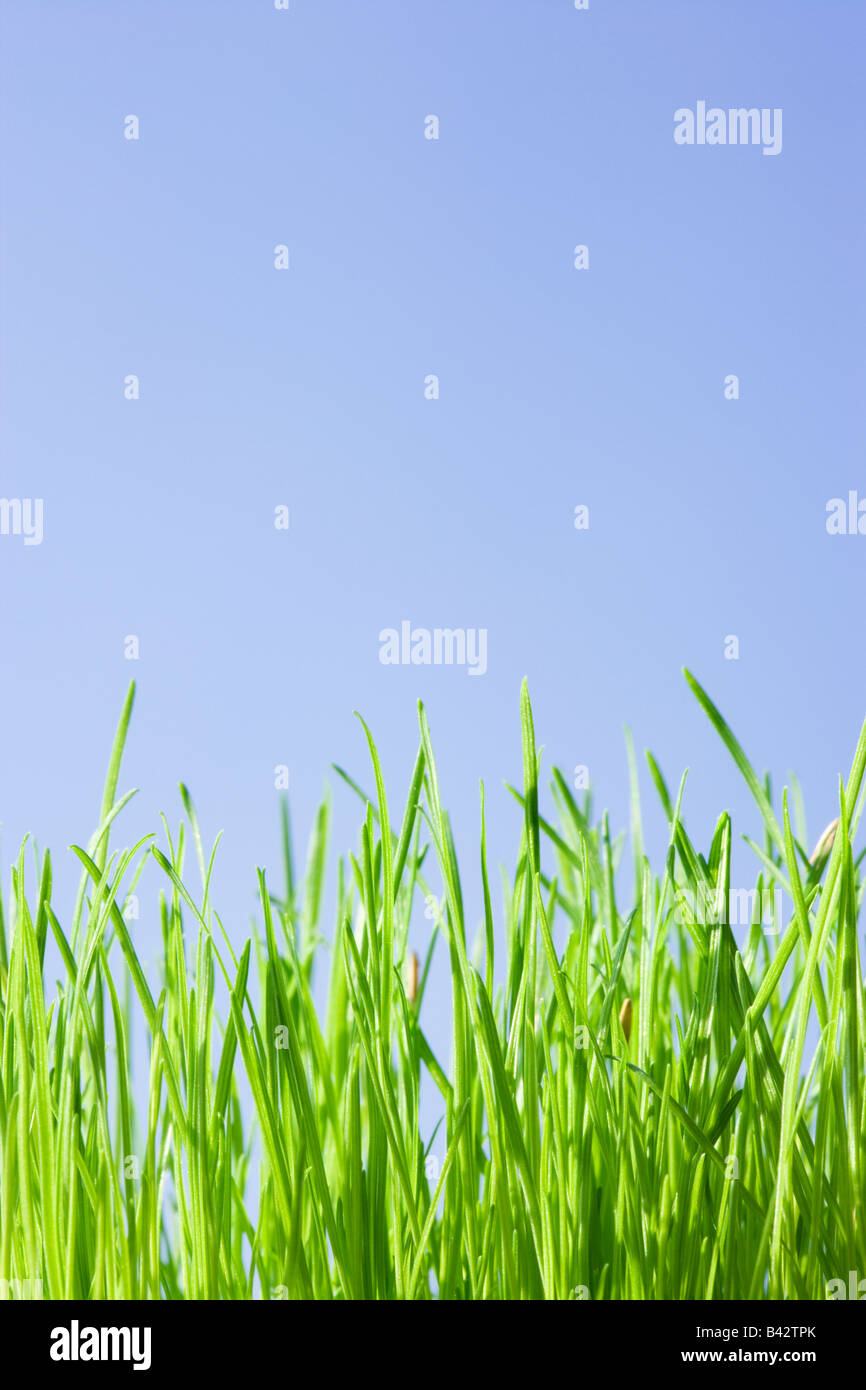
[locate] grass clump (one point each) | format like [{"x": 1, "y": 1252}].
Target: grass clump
[{"x": 635, "y": 1106}]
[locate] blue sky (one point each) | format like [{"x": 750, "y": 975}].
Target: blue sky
[{"x": 305, "y": 387}]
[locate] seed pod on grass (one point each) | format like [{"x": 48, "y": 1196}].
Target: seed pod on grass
[
  {"x": 625, "y": 1019},
  {"x": 825, "y": 844},
  {"x": 412, "y": 982}
]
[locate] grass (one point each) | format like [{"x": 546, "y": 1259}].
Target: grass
[{"x": 634, "y": 1107}]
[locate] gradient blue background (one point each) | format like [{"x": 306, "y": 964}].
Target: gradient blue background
[{"x": 558, "y": 387}]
